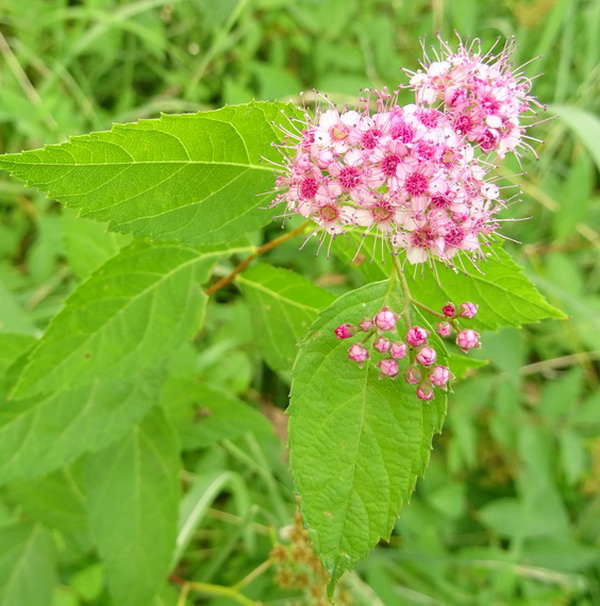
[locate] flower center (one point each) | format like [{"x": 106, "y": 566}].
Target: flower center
[
  {"x": 389, "y": 164},
  {"x": 308, "y": 189},
  {"x": 349, "y": 177},
  {"x": 416, "y": 184},
  {"x": 328, "y": 213},
  {"x": 382, "y": 212}
]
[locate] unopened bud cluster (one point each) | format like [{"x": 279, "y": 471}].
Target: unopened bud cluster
[{"x": 420, "y": 369}]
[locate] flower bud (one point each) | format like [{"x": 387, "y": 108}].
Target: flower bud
[
  {"x": 468, "y": 339},
  {"x": 345, "y": 331},
  {"x": 425, "y": 391},
  {"x": 468, "y": 310},
  {"x": 366, "y": 324},
  {"x": 444, "y": 329},
  {"x": 417, "y": 336},
  {"x": 440, "y": 376},
  {"x": 449, "y": 310},
  {"x": 412, "y": 375},
  {"x": 381, "y": 345},
  {"x": 426, "y": 356},
  {"x": 388, "y": 368},
  {"x": 358, "y": 353},
  {"x": 386, "y": 319},
  {"x": 398, "y": 350}
]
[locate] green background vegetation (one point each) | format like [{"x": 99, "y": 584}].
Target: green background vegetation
[{"x": 509, "y": 511}]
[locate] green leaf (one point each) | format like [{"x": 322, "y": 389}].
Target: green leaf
[
  {"x": 283, "y": 305},
  {"x": 194, "y": 178},
  {"x": 133, "y": 492},
  {"x": 12, "y": 317},
  {"x": 505, "y": 295},
  {"x": 40, "y": 434},
  {"x": 132, "y": 312},
  {"x": 584, "y": 124},
  {"x": 12, "y": 346},
  {"x": 461, "y": 365},
  {"x": 27, "y": 570},
  {"x": 357, "y": 443},
  {"x": 88, "y": 244},
  {"x": 204, "y": 414},
  {"x": 56, "y": 500}
]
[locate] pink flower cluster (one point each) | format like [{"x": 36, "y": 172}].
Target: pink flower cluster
[
  {"x": 414, "y": 175},
  {"x": 421, "y": 368},
  {"x": 482, "y": 96}
]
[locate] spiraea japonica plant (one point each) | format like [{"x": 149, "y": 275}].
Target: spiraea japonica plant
[{"x": 412, "y": 189}]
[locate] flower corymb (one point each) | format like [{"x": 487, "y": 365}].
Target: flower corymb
[{"x": 417, "y": 177}]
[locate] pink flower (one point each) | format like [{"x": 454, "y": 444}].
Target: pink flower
[
  {"x": 381, "y": 345},
  {"x": 468, "y": 310},
  {"x": 417, "y": 336},
  {"x": 358, "y": 353},
  {"x": 388, "y": 367},
  {"x": 425, "y": 391},
  {"x": 345, "y": 331},
  {"x": 412, "y": 375},
  {"x": 440, "y": 376},
  {"x": 444, "y": 329},
  {"x": 366, "y": 324},
  {"x": 414, "y": 176},
  {"x": 468, "y": 339},
  {"x": 426, "y": 356},
  {"x": 385, "y": 319},
  {"x": 398, "y": 350}
]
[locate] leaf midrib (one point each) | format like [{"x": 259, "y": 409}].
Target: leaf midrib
[{"x": 5, "y": 162}]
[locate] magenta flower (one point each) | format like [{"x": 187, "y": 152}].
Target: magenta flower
[
  {"x": 468, "y": 310},
  {"x": 388, "y": 367},
  {"x": 381, "y": 345},
  {"x": 449, "y": 310},
  {"x": 345, "y": 331},
  {"x": 366, "y": 324},
  {"x": 415, "y": 176},
  {"x": 398, "y": 350},
  {"x": 416, "y": 336},
  {"x": 440, "y": 376},
  {"x": 358, "y": 353},
  {"x": 425, "y": 391},
  {"x": 444, "y": 329},
  {"x": 385, "y": 319},
  {"x": 426, "y": 356},
  {"x": 412, "y": 375},
  {"x": 468, "y": 339}
]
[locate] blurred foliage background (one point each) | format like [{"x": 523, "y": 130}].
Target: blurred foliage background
[{"x": 509, "y": 512}]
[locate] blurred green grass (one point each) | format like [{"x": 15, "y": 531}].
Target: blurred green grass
[{"x": 509, "y": 511}]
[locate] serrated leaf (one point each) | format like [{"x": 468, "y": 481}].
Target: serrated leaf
[
  {"x": 13, "y": 346},
  {"x": 204, "y": 414},
  {"x": 132, "y": 312},
  {"x": 194, "y": 178},
  {"x": 283, "y": 305},
  {"x": 357, "y": 443},
  {"x": 40, "y": 434},
  {"x": 27, "y": 569},
  {"x": 506, "y": 297},
  {"x": 133, "y": 492}
]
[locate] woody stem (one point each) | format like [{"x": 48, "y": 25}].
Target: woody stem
[{"x": 259, "y": 251}]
